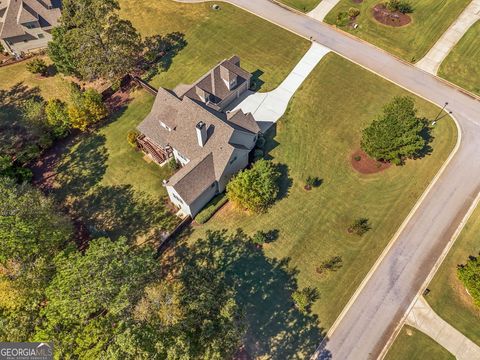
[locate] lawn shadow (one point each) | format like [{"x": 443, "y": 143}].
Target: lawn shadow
[
  {"x": 256, "y": 83},
  {"x": 270, "y": 142},
  {"x": 82, "y": 168},
  {"x": 426, "y": 134},
  {"x": 264, "y": 286},
  {"x": 119, "y": 210},
  {"x": 285, "y": 182}
]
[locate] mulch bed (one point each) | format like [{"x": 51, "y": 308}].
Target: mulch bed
[
  {"x": 367, "y": 165},
  {"x": 389, "y": 18}
]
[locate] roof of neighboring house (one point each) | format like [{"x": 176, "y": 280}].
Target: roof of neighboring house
[
  {"x": 181, "y": 116},
  {"x": 16, "y": 13},
  {"x": 215, "y": 82}
]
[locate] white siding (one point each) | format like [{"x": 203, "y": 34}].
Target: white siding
[{"x": 180, "y": 157}]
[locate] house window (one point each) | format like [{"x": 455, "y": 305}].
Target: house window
[{"x": 177, "y": 198}]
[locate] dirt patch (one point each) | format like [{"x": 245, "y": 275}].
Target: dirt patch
[
  {"x": 390, "y": 18},
  {"x": 364, "y": 164}
]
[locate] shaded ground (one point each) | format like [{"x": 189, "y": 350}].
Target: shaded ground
[
  {"x": 430, "y": 19},
  {"x": 364, "y": 164}
]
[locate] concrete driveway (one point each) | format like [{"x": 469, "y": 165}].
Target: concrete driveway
[{"x": 268, "y": 107}]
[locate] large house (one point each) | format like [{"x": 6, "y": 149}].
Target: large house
[
  {"x": 25, "y": 25},
  {"x": 192, "y": 126}
]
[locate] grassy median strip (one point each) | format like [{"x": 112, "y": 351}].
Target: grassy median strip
[
  {"x": 430, "y": 19},
  {"x": 462, "y": 65},
  {"x": 302, "y": 5}
]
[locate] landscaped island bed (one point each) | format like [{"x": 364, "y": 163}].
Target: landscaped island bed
[
  {"x": 430, "y": 19},
  {"x": 317, "y": 136},
  {"x": 462, "y": 65}
]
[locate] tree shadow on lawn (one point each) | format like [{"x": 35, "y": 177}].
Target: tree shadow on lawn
[
  {"x": 82, "y": 169},
  {"x": 120, "y": 210},
  {"x": 263, "y": 288}
]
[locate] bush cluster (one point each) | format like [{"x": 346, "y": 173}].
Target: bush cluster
[{"x": 402, "y": 6}]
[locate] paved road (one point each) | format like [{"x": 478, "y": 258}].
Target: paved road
[
  {"x": 372, "y": 318},
  {"x": 426, "y": 320}
]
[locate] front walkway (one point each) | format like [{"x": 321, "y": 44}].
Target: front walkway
[
  {"x": 323, "y": 9},
  {"x": 432, "y": 61},
  {"x": 423, "y": 318},
  {"x": 268, "y": 107}
]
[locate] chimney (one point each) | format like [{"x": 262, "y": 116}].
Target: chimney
[{"x": 201, "y": 133}]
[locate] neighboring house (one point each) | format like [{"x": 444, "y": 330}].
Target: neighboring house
[
  {"x": 211, "y": 145},
  {"x": 25, "y": 25}
]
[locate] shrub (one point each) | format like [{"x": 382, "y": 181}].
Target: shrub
[
  {"x": 304, "y": 298},
  {"x": 359, "y": 227},
  {"x": 353, "y": 12},
  {"x": 259, "y": 238},
  {"x": 357, "y": 158},
  {"x": 173, "y": 164},
  {"x": 342, "y": 19},
  {"x": 255, "y": 189},
  {"x": 397, "y": 134},
  {"x": 132, "y": 137},
  {"x": 37, "y": 66},
  {"x": 86, "y": 108},
  {"x": 57, "y": 117},
  {"x": 402, "y": 6},
  {"x": 332, "y": 264},
  {"x": 469, "y": 275},
  {"x": 212, "y": 207},
  {"x": 311, "y": 182}
]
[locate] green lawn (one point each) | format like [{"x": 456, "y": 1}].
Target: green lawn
[
  {"x": 49, "y": 87},
  {"x": 412, "y": 344},
  {"x": 462, "y": 65},
  {"x": 448, "y": 296},
  {"x": 214, "y": 35},
  {"x": 302, "y": 5},
  {"x": 316, "y": 137},
  {"x": 431, "y": 18},
  {"x": 104, "y": 182}
]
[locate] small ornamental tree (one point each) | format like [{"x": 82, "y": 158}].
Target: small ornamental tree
[
  {"x": 87, "y": 108},
  {"x": 469, "y": 275},
  {"x": 359, "y": 227},
  {"x": 57, "y": 117},
  {"x": 304, "y": 298},
  {"x": 255, "y": 189},
  {"x": 37, "y": 66},
  {"x": 132, "y": 138},
  {"x": 402, "y": 6},
  {"x": 396, "y": 134}
]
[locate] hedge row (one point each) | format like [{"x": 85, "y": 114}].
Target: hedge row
[{"x": 212, "y": 207}]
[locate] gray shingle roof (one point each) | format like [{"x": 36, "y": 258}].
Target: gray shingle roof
[{"x": 18, "y": 12}]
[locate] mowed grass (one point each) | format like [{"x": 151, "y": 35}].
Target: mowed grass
[
  {"x": 448, "y": 297},
  {"x": 462, "y": 65},
  {"x": 49, "y": 87},
  {"x": 214, "y": 35},
  {"x": 412, "y": 344},
  {"x": 430, "y": 19},
  {"x": 316, "y": 137},
  {"x": 302, "y": 5},
  {"x": 101, "y": 179}
]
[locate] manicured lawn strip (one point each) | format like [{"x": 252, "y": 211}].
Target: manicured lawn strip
[
  {"x": 49, "y": 87},
  {"x": 214, "y": 35},
  {"x": 412, "y": 344},
  {"x": 462, "y": 65},
  {"x": 315, "y": 138},
  {"x": 448, "y": 296},
  {"x": 431, "y": 18},
  {"x": 302, "y": 5}
]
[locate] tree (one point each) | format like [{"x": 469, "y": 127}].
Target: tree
[
  {"x": 132, "y": 138},
  {"x": 402, "y": 6},
  {"x": 57, "y": 117},
  {"x": 359, "y": 227},
  {"x": 304, "y": 298},
  {"x": 37, "y": 66},
  {"x": 86, "y": 108},
  {"x": 396, "y": 134},
  {"x": 93, "y": 42},
  {"x": 93, "y": 293},
  {"x": 469, "y": 275},
  {"x": 255, "y": 189},
  {"x": 30, "y": 226}
]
